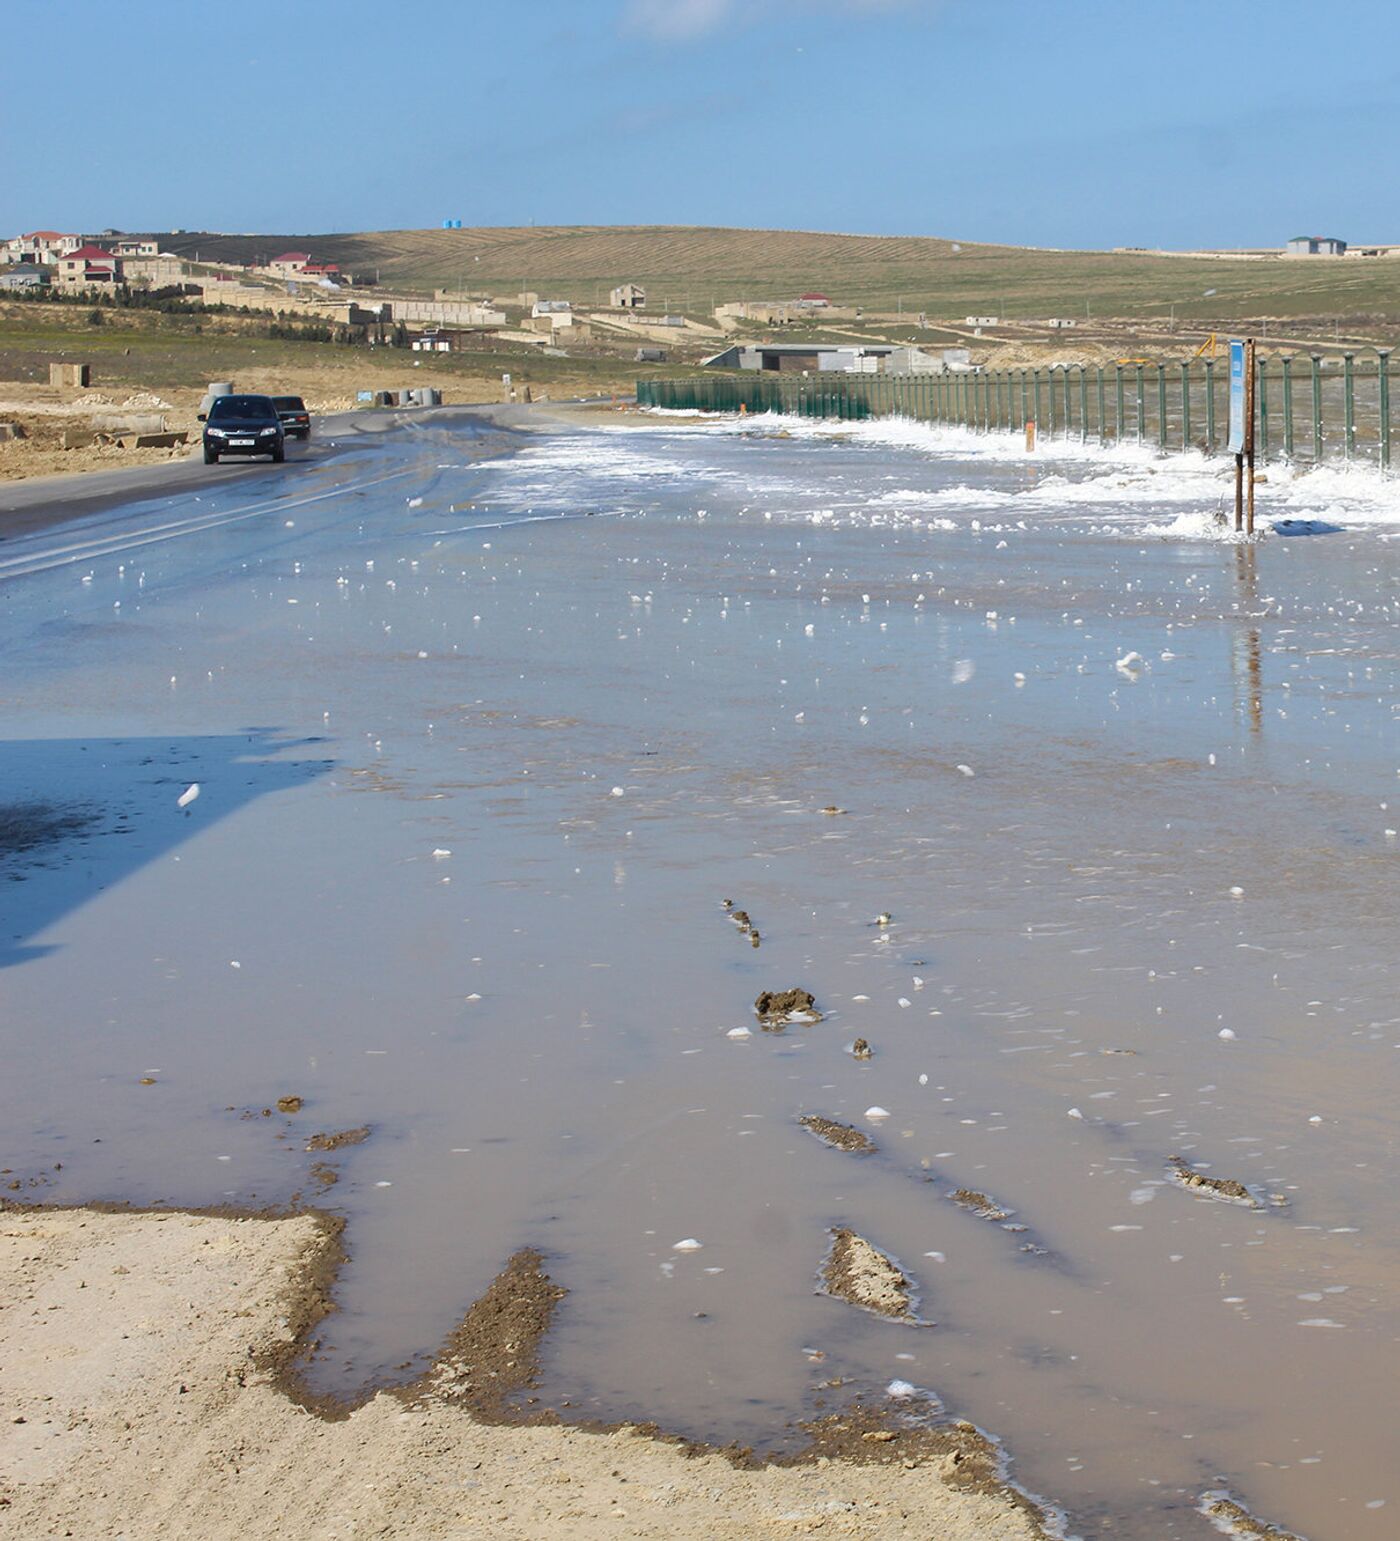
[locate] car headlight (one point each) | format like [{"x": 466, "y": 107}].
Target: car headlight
[
  {"x": 217, "y": 433},
  {"x": 263, "y": 432}
]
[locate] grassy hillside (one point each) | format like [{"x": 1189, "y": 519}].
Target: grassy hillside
[{"x": 692, "y": 269}]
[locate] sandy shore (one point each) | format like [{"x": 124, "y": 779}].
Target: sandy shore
[{"x": 144, "y": 1377}]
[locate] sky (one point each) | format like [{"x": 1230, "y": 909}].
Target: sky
[{"x": 1073, "y": 123}]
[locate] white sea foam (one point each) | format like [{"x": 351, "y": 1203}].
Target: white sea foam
[{"x": 1122, "y": 489}]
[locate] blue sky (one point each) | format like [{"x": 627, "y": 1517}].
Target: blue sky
[{"x": 1036, "y": 122}]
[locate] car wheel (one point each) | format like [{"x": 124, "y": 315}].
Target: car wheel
[
  {"x": 279, "y": 454},
  {"x": 211, "y": 457}
]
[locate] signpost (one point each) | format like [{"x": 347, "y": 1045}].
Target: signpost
[{"x": 1241, "y": 440}]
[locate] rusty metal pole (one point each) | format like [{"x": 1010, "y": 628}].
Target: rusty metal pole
[{"x": 1249, "y": 430}]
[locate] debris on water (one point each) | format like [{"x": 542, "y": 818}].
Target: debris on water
[
  {"x": 1227, "y": 1033},
  {"x": 1073, "y": 1113},
  {"x": 778, "y": 1007},
  {"x": 966, "y": 770},
  {"x": 838, "y": 1136},
  {"x": 148, "y": 1080},
  {"x": 688, "y": 1245},
  {"x": 738, "y": 1032},
  {"x": 980, "y": 1204},
  {"x": 899, "y": 1389},
  {"x": 617, "y": 792},
  {"x": 754, "y": 939},
  {"x": 858, "y": 1272},
  {"x": 188, "y": 795},
  {"x": 1226, "y": 1188},
  {"x": 290, "y": 1104},
  {"x": 860, "y": 1049},
  {"x": 1233, "y": 1519},
  {"x": 877, "y": 1112},
  {"x": 884, "y": 918},
  {"x": 441, "y": 854},
  {"x": 727, "y": 903},
  {"x": 340, "y": 1140},
  {"x": 831, "y": 810},
  {"x": 1131, "y": 664},
  {"x": 1117, "y": 1051}
]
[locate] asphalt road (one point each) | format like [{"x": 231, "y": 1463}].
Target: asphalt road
[{"x": 42, "y": 501}]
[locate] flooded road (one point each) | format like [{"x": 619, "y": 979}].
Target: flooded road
[{"x": 481, "y": 749}]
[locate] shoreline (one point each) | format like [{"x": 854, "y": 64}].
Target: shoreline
[{"x": 173, "y": 1377}]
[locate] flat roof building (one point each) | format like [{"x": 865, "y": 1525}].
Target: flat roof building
[{"x": 1315, "y": 246}]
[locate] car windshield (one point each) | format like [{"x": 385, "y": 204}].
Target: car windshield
[
  {"x": 241, "y": 406},
  {"x": 289, "y": 403}
]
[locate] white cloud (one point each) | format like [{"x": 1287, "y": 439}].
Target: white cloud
[
  {"x": 672, "y": 20},
  {"x": 676, "y": 20}
]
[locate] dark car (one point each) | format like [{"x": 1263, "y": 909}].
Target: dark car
[
  {"x": 242, "y": 425},
  {"x": 296, "y": 420}
]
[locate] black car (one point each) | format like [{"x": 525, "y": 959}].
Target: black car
[
  {"x": 296, "y": 420},
  {"x": 242, "y": 425}
]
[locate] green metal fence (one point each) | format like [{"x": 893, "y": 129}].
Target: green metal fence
[{"x": 1311, "y": 407}]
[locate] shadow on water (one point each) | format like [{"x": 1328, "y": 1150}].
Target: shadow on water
[{"x": 79, "y": 815}]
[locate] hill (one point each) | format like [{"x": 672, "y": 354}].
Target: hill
[{"x": 691, "y": 269}]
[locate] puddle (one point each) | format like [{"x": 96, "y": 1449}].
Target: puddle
[{"x": 471, "y": 795}]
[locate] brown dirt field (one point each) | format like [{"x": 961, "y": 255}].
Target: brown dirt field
[{"x": 145, "y": 1368}]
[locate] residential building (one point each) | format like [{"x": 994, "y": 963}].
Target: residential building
[
  {"x": 24, "y": 275},
  {"x": 42, "y": 246},
  {"x": 550, "y": 308},
  {"x": 628, "y": 297},
  {"x": 89, "y": 267},
  {"x": 290, "y": 263}
]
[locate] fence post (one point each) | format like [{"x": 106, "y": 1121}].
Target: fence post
[
  {"x": 1118, "y": 409},
  {"x": 1083, "y": 406},
  {"x": 1288, "y": 406},
  {"x": 1210, "y": 406},
  {"x": 1317, "y": 407},
  {"x": 1186, "y": 405},
  {"x": 1162, "y": 406},
  {"x": 1141, "y": 399},
  {"x": 1069, "y": 405},
  {"x": 1050, "y": 401},
  {"x": 1349, "y": 382},
  {"x": 1025, "y": 400},
  {"x": 1262, "y": 391},
  {"x": 1099, "y": 378},
  {"x": 1035, "y": 375},
  {"x": 1383, "y": 382}
]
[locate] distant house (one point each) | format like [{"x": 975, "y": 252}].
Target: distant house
[
  {"x": 982, "y": 321},
  {"x": 1315, "y": 246},
  {"x": 321, "y": 269},
  {"x": 89, "y": 267},
  {"x": 550, "y": 308},
  {"x": 628, "y": 297},
  {"x": 814, "y": 301},
  {"x": 42, "y": 246},
  {"x": 24, "y": 275},
  {"x": 134, "y": 246},
  {"x": 290, "y": 263},
  {"x": 651, "y": 355}
]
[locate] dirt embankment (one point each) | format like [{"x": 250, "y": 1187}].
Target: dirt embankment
[{"x": 147, "y": 1365}]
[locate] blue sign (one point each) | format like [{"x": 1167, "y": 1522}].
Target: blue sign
[{"x": 1235, "y": 446}]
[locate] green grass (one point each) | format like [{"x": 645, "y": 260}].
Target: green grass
[{"x": 692, "y": 269}]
